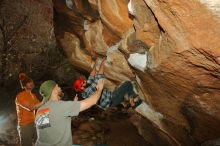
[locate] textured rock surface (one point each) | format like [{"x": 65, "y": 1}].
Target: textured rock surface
[
  {"x": 114, "y": 15},
  {"x": 27, "y": 41},
  {"x": 109, "y": 127},
  {"x": 169, "y": 48},
  {"x": 181, "y": 40},
  {"x": 189, "y": 23}
]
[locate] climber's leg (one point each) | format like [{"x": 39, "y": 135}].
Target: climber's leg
[{"x": 119, "y": 93}]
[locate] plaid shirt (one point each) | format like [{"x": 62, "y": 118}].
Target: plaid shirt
[{"x": 106, "y": 96}]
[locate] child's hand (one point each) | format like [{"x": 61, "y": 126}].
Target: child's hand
[
  {"x": 100, "y": 84},
  {"x": 103, "y": 61},
  {"x": 97, "y": 60}
]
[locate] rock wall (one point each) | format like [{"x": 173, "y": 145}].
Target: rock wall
[
  {"x": 27, "y": 40},
  {"x": 169, "y": 48}
]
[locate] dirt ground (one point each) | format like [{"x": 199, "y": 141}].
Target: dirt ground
[{"x": 111, "y": 128}]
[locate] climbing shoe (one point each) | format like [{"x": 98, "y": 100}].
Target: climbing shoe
[{"x": 136, "y": 103}]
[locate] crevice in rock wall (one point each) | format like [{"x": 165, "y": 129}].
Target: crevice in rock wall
[{"x": 159, "y": 26}]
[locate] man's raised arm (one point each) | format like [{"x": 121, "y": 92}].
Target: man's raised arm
[{"x": 92, "y": 100}]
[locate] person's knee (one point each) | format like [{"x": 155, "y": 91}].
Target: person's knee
[{"x": 128, "y": 84}]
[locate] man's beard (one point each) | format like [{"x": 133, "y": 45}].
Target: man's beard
[{"x": 61, "y": 94}]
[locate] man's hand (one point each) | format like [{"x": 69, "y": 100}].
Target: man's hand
[
  {"x": 100, "y": 84},
  {"x": 61, "y": 94},
  {"x": 31, "y": 107},
  {"x": 75, "y": 98}
]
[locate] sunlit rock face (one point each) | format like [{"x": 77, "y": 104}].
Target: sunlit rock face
[{"x": 169, "y": 48}]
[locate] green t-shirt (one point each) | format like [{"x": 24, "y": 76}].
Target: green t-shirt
[{"x": 53, "y": 123}]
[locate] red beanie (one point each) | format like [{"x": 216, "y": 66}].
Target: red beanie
[
  {"x": 77, "y": 84},
  {"x": 24, "y": 79}
]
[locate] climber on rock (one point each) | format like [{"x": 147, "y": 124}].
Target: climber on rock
[{"x": 108, "y": 98}]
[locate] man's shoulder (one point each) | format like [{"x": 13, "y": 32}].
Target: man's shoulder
[
  {"x": 50, "y": 104},
  {"x": 21, "y": 94},
  {"x": 43, "y": 107},
  {"x": 58, "y": 105}
]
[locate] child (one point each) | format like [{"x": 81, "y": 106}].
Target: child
[{"x": 108, "y": 98}]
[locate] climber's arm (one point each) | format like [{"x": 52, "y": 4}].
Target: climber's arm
[
  {"x": 101, "y": 69},
  {"x": 93, "y": 72}
]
